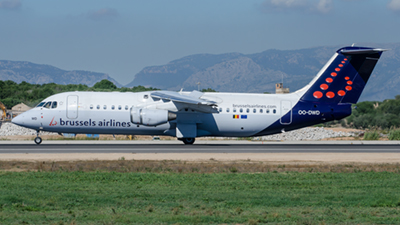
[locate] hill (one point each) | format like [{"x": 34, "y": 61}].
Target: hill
[
  {"x": 19, "y": 71},
  {"x": 236, "y": 72}
]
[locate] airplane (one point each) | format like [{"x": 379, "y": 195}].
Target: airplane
[{"x": 187, "y": 115}]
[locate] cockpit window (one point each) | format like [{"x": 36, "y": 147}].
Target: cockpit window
[
  {"x": 47, "y": 105},
  {"x": 40, "y": 104},
  {"x": 54, "y": 105}
]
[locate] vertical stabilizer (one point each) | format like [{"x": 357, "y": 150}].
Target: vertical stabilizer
[{"x": 344, "y": 77}]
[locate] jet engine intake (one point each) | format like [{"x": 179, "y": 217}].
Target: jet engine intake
[{"x": 150, "y": 117}]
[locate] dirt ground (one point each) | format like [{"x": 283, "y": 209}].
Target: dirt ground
[{"x": 202, "y": 163}]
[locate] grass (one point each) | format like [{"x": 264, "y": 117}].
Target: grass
[
  {"x": 374, "y": 135},
  {"x": 394, "y": 134},
  {"x": 232, "y": 197}
]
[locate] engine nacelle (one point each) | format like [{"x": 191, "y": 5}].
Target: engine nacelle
[{"x": 150, "y": 117}]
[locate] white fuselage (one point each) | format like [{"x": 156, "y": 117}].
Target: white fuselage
[{"x": 235, "y": 114}]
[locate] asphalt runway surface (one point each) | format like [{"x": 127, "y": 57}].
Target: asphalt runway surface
[{"x": 198, "y": 148}]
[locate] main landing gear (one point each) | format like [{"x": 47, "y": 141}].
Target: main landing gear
[
  {"x": 187, "y": 141},
  {"x": 37, "y": 139}
]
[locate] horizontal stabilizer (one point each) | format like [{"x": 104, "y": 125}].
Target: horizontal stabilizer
[{"x": 362, "y": 51}]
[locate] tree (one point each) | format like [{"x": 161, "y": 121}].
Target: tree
[
  {"x": 105, "y": 84},
  {"x": 208, "y": 90}
]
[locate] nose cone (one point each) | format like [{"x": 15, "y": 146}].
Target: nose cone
[
  {"x": 18, "y": 120},
  {"x": 27, "y": 119}
]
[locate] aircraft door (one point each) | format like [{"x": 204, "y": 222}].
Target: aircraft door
[
  {"x": 72, "y": 106},
  {"x": 286, "y": 112}
]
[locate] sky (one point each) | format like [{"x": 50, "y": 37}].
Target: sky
[{"x": 122, "y": 37}]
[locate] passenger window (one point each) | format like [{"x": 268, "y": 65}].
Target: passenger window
[
  {"x": 54, "y": 105},
  {"x": 261, "y": 110},
  {"x": 220, "y": 110},
  {"x": 98, "y": 107},
  {"x": 112, "y": 107},
  {"x": 274, "y": 111},
  {"x": 126, "y": 107},
  {"x": 40, "y": 104},
  {"x": 267, "y": 111},
  {"x": 145, "y": 96},
  {"x": 104, "y": 107},
  {"x": 47, "y": 105},
  {"x": 91, "y": 106},
  {"x": 227, "y": 109},
  {"x": 241, "y": 110},
  {"x": 119, "y": 107},
  {"x": 247, "y": 110},
  {"x": 234, "y": 109},
  {"x": 254, "y": 110}
]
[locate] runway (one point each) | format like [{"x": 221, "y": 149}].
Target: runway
[{"x": 201, "y": 147}]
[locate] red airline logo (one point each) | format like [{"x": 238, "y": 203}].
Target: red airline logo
[{"x": 53, "y": 123}]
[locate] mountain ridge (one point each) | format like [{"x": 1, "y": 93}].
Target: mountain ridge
[
  {"x": 19, "y": 71},
  {"x": 258, "y": 72},
  {"x": 227, "y": 72}
]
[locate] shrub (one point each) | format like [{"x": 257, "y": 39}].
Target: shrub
[
  {"x": 364, "y": 121},
  {"x": 394, "y": 135},
  {"x": 371, "y": 135}
]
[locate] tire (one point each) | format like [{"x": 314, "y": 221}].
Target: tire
[
  {"x": 188, "y": 141},
  {"x": 37, "y": 140}
]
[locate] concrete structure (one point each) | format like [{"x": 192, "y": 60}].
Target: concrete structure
[{"x": 279, "y": 89}]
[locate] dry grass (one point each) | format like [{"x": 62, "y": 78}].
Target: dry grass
[{"x": 177, "y": 166}]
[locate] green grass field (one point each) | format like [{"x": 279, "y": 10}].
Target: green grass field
[{"x": 195, "y": 198}]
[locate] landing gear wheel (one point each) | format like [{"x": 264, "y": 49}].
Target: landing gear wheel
[
  {"x": 38, "y": 140},
  {"x": 188, "y": 141}
]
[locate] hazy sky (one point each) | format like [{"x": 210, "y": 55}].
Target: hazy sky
[{"x": 122, "y": 37}]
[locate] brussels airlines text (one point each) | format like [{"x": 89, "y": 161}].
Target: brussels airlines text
[{"x": 90, "y": 123}]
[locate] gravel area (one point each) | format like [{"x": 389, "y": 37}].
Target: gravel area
[
  {"x": 10, "y": 129},
  {"x": 308, "y": 133}
]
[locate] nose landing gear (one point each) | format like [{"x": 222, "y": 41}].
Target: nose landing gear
[{"x": 37, "y": 139}]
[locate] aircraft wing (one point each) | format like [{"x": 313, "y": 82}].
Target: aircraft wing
[{"x": 192, "y": 98}]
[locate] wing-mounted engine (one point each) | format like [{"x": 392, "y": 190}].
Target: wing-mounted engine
[{"x": 150, "y": 117}]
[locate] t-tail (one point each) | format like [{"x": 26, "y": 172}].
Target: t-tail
[
  {"x": 344, "y": 77},
  {"x": 339, "y": 83},
  {"x": 332, "y": 91}
]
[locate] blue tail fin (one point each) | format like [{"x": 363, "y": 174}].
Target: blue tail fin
[{"x": 344, "y": 77}]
